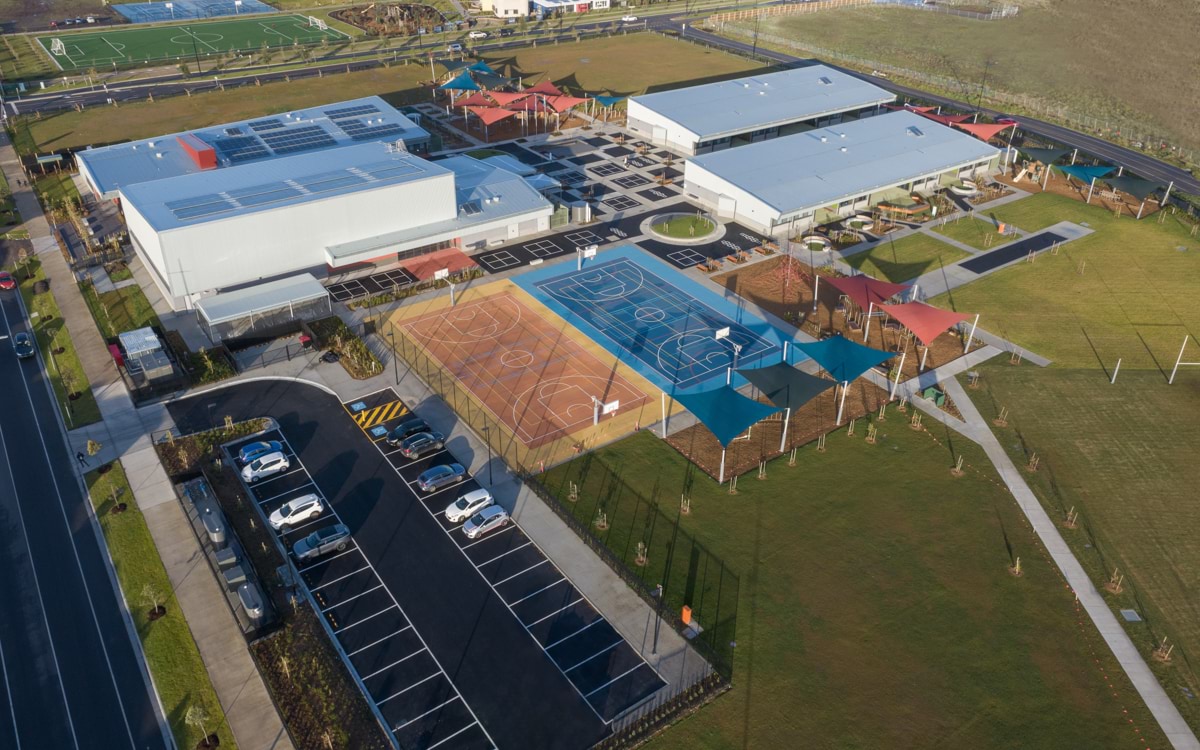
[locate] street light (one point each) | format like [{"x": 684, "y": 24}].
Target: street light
[{"x": 487, "y": 439}]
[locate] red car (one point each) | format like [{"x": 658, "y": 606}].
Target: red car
[{"x": 7, "y": 282}]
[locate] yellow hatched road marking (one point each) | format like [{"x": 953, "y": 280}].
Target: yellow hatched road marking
[{"x": 368, "y": 418}]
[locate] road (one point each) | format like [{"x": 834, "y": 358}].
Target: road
[{"x": 72, "y": 677}]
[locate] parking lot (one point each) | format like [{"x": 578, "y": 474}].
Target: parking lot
[{"x": 457, "y": 642}]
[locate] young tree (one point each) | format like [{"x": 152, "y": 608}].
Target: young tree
[
  {"x": 152, "y": 598},
  {"x": 198, "y": 718}
]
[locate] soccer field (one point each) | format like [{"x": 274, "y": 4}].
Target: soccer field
[{"x": 120, "y": 47}]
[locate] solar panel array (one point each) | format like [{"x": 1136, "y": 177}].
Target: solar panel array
[
  {"x": 295, "y": 140},
  {"x": 364, "y": 109},
  {"x": 269, "y": 124},
  {"x": 240, "y": 148},
  {"x": 361, "y": 131}
]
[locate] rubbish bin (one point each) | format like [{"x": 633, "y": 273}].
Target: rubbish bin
[
  {"x": 226, "y": 559},
  {"x": 252, "y": 601},
  {"x": 234, "y": 577}
]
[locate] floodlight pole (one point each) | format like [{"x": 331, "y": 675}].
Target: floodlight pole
[
  {"x": 579, "y": 259},
  {"x": 816, "y": 276},
  {"x": 867, "y": 326},
  {"x": 451, "y": 283},
  {"x": 787, "y": 415},
  {"x": 595, "y": 411},
  {"x": 664, "y": 414},
  {"x": 395, "y": 367},
  {"x": 1008, "y": 154},
  {"x": 1139, "y": 214},
  {"x": 842, "y": 401},
  {"x": 971, "y": 337},
  {"x": 1046, "y": 177},
  {"x": 899, "y": 374},
  {"x": 785, "y": 348}
]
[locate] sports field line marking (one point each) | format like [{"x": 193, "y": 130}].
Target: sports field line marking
[{"x": 190, "y": 33}]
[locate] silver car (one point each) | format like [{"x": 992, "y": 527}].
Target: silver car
[
  {"x": 265, "y": 466},
  {"x": 297, "y": 511},
  {"x": 468, "y": 505},
  {"x": 490, "y": 518},
  {"x": 329, "y": 539}
]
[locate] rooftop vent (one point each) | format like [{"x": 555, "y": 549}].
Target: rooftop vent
[
  {"x": 762, "y": 93},
  {"x": 841, "y": 135},
  {"x": 158, "y": 155},
  {"x": 914, "y": 130},
  {"x": 824, "y": 139},
  {"x": 153, "y": 144},
  {"x": 825, "y": 81},
  {"x": 842, "y": 149}
]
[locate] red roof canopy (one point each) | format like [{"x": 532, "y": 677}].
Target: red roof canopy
[
  {"x": 425, "y": 266},
  {"x": 529, "y": 104},
  {"x": 563, "y": 103},
  {"x": 984, "y": 131},
  {"x": 545, "y": 87},
  {"x": 474, "y": 100},
  {"x": 945, "y": 119},
  {"x": 925, "y": 321},
  {"x": 910, "y": 108},
  {"x": 507, "y": 97},
  {"x": 865, "y": 290},
  {"x": 491, "y": 115}
]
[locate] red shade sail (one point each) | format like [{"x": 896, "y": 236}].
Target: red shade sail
[
  {"x": 984, "y": 131},
  {"x": 910, "y": 108},
  {"x": 491, "y": 115},
  {"x": 945, "y": 119},
  {"x": 507, "y": 97},
  {"x": 563, "y": 103},
  {"x": 545, "y": 87},
  {"x": 865, "y": 290},
  {"x": 925, "y": 321},
  {"x": 529, "y": 104},
  {"x": 474, "y": 100}
]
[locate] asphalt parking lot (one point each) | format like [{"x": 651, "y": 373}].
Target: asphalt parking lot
[{"x": 459, "y": 643}]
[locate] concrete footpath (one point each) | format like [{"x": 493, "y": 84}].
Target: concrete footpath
[{"x": 124, "y": 432}]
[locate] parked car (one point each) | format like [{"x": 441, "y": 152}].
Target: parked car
[
  {"x": 265, "y": 466},
  {"x": 23, "y": 343},
  {"x": 489, "y": 519},
  {"x": 261, "y": 448},
  {"x": 7, "y": 282},
  {"x": 329, "y": 539},
  {"x": 477, "y": 35},
  {"x": 454, "y": 47},
  {"x": 407, "y": 429},
  {"x": 441, "y": 476},
  {"x": 296, "y": 511},
  {"x": 421, "y": 443},
  {"x": 506, "y": 32},
  {"x": 468, "y": 505},
  {"x": 629, "y": 19}
]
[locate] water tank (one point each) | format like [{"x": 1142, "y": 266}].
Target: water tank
[{"x": 214, "y": 523}]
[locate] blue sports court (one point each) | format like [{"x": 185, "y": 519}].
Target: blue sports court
[
  {"x": 656, "y": 320},
  {"x": 189, "y": 10}
]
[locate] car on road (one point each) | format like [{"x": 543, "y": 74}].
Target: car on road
[
  {"x": 1007, "y": 120},
  {"x": 421, "y": 443},
  {"x": 23, "y": 344},
  {"x": 329, "y": 539},
  {"x": 468, "y": 505},
  {"x": 265, "y": 466},
  {"x": 477, "y": 35},
  {"x": 441, "y": 476},
  {"x": 629, "y": 19},
  {"x": 489, "y": 519},
  {"x": 454, "y": 47},
  {"x": 7, "y": 282},
  {"x": 261, "y": 448},
  {"x": 407, "y": 429},
  {"x": 296, "y": 511},
  {"x": 505, "y": 32}
]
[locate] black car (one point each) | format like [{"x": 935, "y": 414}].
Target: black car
[
  {"x": 422, "y": 443},
  {"x": 406, "y": 429},
  {"x": 505, "y": 32}
]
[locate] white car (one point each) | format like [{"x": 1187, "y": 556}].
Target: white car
[
  {"x": 490, "y": 518},
  {"x": 296, "y": 511},
  {"x": 468, "y": 505},
  {"x": 265, "y": 466},
  {"x": 629, "y": 19},
  {"x": 477, "y": 35},
  {"x": 454, "y": 47}
]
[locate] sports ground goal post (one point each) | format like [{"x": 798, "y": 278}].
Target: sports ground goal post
[
  {"x": 57, "y": 47},
  {"x": 315, "y": 22}
]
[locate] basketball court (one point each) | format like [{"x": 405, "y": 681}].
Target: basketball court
[{"x": 530, "y": 371}]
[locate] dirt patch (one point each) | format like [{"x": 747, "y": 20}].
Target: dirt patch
[
  {"x": 392, "y": 19},
  {"x": 36, "y": 15}
]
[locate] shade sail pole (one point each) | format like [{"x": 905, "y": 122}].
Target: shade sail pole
[
  {"x": 721, "y": 476},
  {"x": 842, "y": 401},
  {"x": 899, "y": 374},
  {"x": 1166, "y": 195},
  {"x": 924, "y": 354},
  {"x": 785, "y": 352},
  {"x": 867, "y": 326},
  {"x": 1074, "y": 154},
  {"x": 1046, "y": 177},
  {"x": 787, "y": 415},
  {"x": 1090, "y": 189},
  {"x": 971, "y": 337},
  {"x": 816, "y": 283},
  {"x": 1141, "y": 207},
  {"x": 664, "y": 415}
]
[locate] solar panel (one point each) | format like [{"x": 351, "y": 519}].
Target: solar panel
[
  {"x": 196, "y": 200},
  {"x": 206, "y": 209},
  {"x": 234, "y": 131},
  {"x": 319, "y": 183},
  {"x": 294, "y": 140},
  {"x": 260, "y": 125},
  {"x": 240, "y": 148},
  {"x": 365, "y": 109},
  {"x": 388, "y": 169},
  {"x": 471, "y": 208},
  {"x": 280, "y": 193}
]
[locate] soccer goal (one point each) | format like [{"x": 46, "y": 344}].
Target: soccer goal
[
  {"x": 317, "y": 23},
  {"x": 57, "y": 47}
]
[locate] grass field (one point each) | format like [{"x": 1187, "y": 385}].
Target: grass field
[
  {"x": 1095, "y": 73},
  {"x": 685, "y": 226},
  {"x": 906, "y": 258},
  {"x": 179, "y": 674},
  {"x": 1124, "y": 457},
  {"x": 119, "y": 47},
  {"x": 973, "y": 232},
  {"x": 1128, "y": 291},
  {"x": 123, "y": 309},
  {"x": 877, "y": 609}
]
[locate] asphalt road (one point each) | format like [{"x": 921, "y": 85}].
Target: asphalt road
[
  {"x": 519, "y": 696},
  {"x": 71, "y": 675}
]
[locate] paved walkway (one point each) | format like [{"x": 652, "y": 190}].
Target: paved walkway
[{"x": 124, "y": 433}]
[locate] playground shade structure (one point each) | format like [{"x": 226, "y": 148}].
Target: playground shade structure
[{"x": 184, "y": 43}]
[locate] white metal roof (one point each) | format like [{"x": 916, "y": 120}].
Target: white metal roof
[
  {"x": 140, "y": 341},
  {"x": 827, "y": 165},
  {"x": 272, "y": 295},
  {"x": 713, "y": 110}
]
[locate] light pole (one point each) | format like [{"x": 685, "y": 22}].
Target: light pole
[
  {"x": 395, "y": 367},
  {"x": 487, "y": 438}
]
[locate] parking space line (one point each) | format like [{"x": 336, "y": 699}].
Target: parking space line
[
  {"x": 523, "y": 572},
  {"x": 523, "y": 598},
  {"x": 422, "y": 716},
  {"x": 405, "y": 690},
  {"x": 347, "y": 601},
  {"x": 268, "y": 480},
  {"x": 381, "y": 640},
  {"x": 486, "y": 537},
  {"x": 627, "y": 671},
  {"x": 552, "y": 614},
  {"x": 368, "y": 617},
  {"x": 281, "y": 494},
  {"x": 605, "y": 650},
  {"x": 304, "y": 525},
  {"x": 447, "y": 739},
  {"x": 572, "y": 635},
  {"x": 377, "y": 671},
  {"x": 330, "y": 559},
  {"x": 421, "y": 494},
  {"x": 335, "y": 580},
  {"x": 502, "y": 554}
]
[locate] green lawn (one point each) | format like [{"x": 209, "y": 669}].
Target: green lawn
[
  {"x": 685, "y": 226},
  {"x": 1124, "y": 456},
  {"x": 62, "y": 365},
  {"x": 972, "y": 232},
  {"x": 905, "y": 259},
  {"x": 877, "y": 609},
  {"x": 124, "y": 309},
  {"x": 179, "y": 674},
  {"x": 1125, "y": 292},
  {"x": 55, "y": 189}
]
